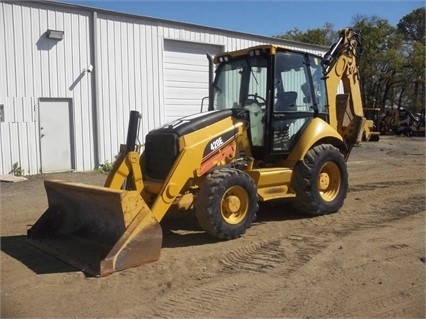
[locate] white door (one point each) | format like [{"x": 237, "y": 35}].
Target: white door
[
  {"x": 186, "y": 77},
  {"x": 55, "y": 135}
]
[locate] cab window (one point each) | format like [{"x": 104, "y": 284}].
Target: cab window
[{"x": 293, "y": 100}]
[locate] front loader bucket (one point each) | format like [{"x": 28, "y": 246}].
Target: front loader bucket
[{"x": 96, "y": 229}]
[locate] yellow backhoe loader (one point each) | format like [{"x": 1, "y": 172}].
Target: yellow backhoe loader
[{"x": 276, "y": 128}]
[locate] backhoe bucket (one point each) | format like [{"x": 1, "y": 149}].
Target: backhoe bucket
[{"x": 96, "y": 229}]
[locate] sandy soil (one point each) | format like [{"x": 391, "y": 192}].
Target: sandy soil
[{"x": 367, "y": 260}]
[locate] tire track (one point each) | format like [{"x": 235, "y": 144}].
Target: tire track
[
  {"x": 259, "y": 257},
  {"x": 249, "y": 271},
  {"x": 264, "y": 266},
  {"x": 338, "y": 284},
  {"x": 390, "y": 304},
  {"x": 369, "y": 212},
  {"x": 275, "y": 257},
  {"x": 383, "y": 185}
]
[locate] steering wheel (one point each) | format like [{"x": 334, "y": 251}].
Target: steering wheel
[{"x": 253, "y": 98}]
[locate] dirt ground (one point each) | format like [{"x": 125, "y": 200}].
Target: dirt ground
[{"x": 366, "y": 261}]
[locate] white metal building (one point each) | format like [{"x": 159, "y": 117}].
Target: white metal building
[{"x": 71, "y": 75}]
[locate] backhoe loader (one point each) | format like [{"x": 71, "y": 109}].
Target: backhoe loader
[{"x": 276, "y": 128}]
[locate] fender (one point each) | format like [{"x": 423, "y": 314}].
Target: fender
[{"x": 316, "y": 130}]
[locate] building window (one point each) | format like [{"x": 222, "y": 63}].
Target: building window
[{"x": 1, "y": 113}]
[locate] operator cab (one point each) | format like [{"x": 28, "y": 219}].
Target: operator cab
[{"x": 281, "y": 89}]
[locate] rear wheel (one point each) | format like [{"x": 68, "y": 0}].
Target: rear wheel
[
  {"x": 320, "y": 181},
  {"x": 227, "y": 203}
]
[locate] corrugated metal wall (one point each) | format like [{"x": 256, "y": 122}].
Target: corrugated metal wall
[
  {"x": 37, "y": 67},
  {"x": 127, "y": 54},
  {"x": 129, "y": 76}
]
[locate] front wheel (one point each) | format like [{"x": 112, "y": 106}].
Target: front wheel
[
  {"x": 227, "y": 203},
  {"x": 320, "y": 181}
]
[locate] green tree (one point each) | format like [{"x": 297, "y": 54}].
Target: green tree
[
  {"x": 380, "y": 61},
  {"x": 393, "y": 62},
  {"x": 412, "y": 28},
  {"x": 321, "y": 36}
]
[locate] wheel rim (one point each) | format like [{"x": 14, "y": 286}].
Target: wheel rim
[
  {"x": 329, "y": 181},
  {"x": 234, "y": 205}
]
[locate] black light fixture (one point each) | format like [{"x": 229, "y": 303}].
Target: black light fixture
[{"x": 55, "y": 34}]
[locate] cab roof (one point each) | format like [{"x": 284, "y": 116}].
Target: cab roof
[{"x": 270, "y": 48}]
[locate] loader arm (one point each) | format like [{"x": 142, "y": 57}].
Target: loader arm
[
  {"x": 127, "y": 166},
  {"x": 200, "y": 151}
]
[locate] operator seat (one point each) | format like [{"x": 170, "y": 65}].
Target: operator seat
[
  {"x": 282, "y": 126},
  {"x": 286, "y": 101}
]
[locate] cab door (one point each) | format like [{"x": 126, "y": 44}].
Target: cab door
[{"x": 298, "y": 96}]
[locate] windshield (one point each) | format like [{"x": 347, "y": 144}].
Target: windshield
[{"x": 240, "y": 82}]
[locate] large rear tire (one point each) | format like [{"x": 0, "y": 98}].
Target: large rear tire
[
  {"x": 320, "y": 181},
  {"x": 227, "y": 203}
]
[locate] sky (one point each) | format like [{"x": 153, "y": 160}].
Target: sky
[{"x": 267, "y": 18}]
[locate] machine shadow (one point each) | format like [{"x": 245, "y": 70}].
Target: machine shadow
[
  {"x": 181, "y": 229},
  {"x": 279, "y": 210},
  {"x": 39, "y": 262}
]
